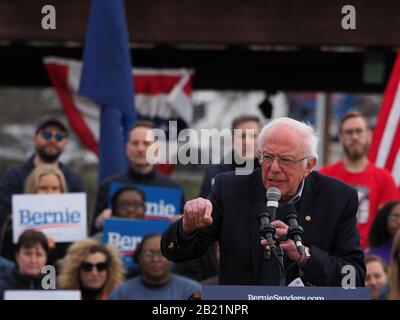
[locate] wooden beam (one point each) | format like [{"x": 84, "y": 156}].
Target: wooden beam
[
  {"x": 237, "y": 22},
  {"x": 232, "y": 69}
]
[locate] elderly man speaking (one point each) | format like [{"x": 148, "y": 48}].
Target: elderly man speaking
[{"x": 326, "y": 210}]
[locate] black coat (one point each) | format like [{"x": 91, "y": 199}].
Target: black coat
[
  {"x": 14, "y": 280},
  {"x": 327, "y": 212},
  {"x": 213, "y": 170}
]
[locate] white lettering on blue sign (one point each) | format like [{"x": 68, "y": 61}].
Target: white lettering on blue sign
[
  {"x": 124, "y": 243},
  {"x": 160, "y": 209}
]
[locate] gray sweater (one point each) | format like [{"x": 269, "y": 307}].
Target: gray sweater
[{"x": 177, "y": 288}]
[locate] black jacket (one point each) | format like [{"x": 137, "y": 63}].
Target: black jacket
[
  {"x": 213, "y": 170},
  {"x": 327, "y": 212},
  {"x": 14, "y": 280}
]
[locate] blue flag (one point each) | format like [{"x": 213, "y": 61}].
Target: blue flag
[{"x": 107, "y": 79}]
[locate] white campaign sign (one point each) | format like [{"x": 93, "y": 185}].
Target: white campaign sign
[
  {"x": 42, "y": 295},
  {"x": 62, "y": 217}
]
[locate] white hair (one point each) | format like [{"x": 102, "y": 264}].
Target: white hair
[{"x": 306, "y": 130}]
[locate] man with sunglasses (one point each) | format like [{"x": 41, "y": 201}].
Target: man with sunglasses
[
  {"x": 375, "y": 186},
  {"x": 326, "y": 210},
  {"x": 49, "y": 141}
]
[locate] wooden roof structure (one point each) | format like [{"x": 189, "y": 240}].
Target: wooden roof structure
[{"x": 231, "y": 44}]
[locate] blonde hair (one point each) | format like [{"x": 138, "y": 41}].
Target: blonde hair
[
  {"x": 77, "y": 254},
  {"x": 32, "y": 181},
  {"x": 393, "y": 274}
]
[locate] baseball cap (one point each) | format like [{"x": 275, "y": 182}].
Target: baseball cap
[{"x": 48, "y": 119}]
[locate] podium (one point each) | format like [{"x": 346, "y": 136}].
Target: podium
[{"x": 277, "y": 293}]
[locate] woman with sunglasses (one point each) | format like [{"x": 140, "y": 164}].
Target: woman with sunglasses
[
  {"x": 31, "y": 256},
  {"x": 92, "y": 268}
]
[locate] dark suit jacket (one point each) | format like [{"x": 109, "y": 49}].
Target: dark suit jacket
[
  {"x": 329, "y": 230},
  {"x": 214, "y": 170}
]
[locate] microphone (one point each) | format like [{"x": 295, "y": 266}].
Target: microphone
[
  {"x": 273, "y": 196},
  {"x": 295, "y": 232},
  {"x": 267, "y": 231}
]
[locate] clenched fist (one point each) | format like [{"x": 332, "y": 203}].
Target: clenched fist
[{"x": 196, "y": 214}]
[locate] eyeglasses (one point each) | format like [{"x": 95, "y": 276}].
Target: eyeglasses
[
  {"x": 283, "y": 161},
  {"x": 152, "y": 254},
  {"x": 47, "y": 135},
  {"x": 126, "y": 206},
  {"x": 87, "y": 266},
  {"x": 394, "y": 218},
  {"x": 350, "y": 132}
]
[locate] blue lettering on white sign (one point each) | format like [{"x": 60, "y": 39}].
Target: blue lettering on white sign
[{"x": 36, "y": 218}]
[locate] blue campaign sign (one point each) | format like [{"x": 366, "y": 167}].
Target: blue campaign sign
[
  {"x": 283, "y": 293},
  {"x": 126, "y": 234},
  {"x": 161, "y": 202}
]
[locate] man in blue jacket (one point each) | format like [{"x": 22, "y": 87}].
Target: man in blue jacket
[{"x": 49, "y": 141}]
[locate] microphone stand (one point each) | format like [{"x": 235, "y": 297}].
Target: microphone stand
[
  {"x": 268, "y": 233},
  {"x": 277, "y": 250},
  {"x": 282, "y": 271},
  {"x": 295, "y": 232}
]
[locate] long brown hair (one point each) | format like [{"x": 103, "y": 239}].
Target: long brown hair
[{"x": 77, "y": 254}]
